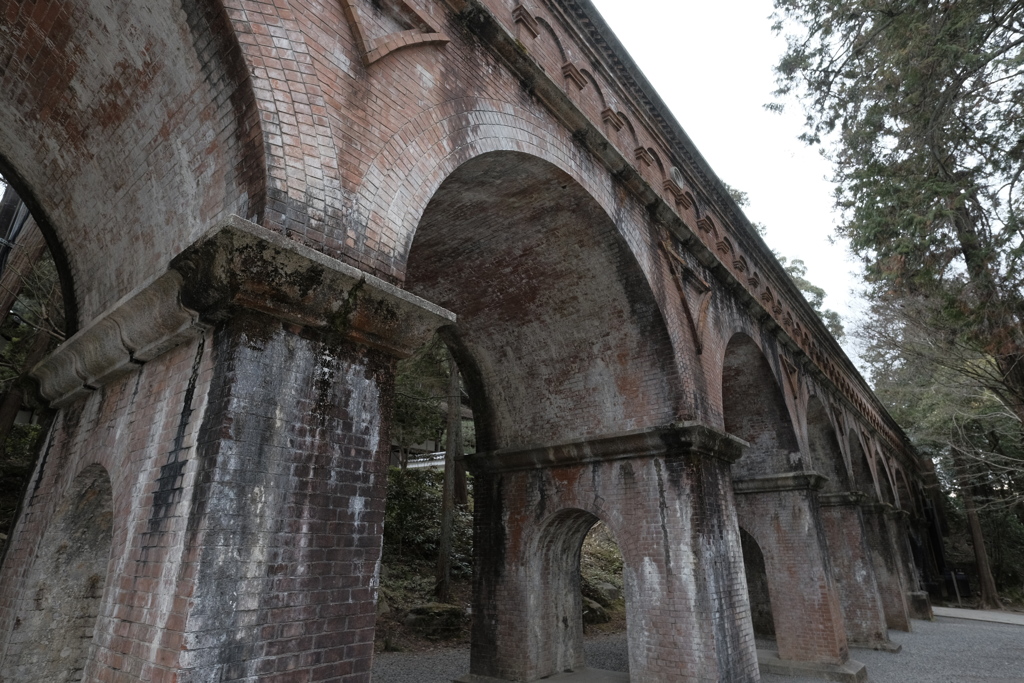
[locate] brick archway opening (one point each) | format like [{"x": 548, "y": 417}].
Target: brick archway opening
[
  {"x": 754, "y": 409},
  {"x": 57, "y": 611},
  {"x": 557, "y": 575},
  {"x": 559, "y": 334},
  {"x": 862, "y": 477},
  {"x": 560, "y": 340},
  {"x": 757, "y": 587},
  {"x": 826, "y": 456},
  {"x": 777, "y": 504}
]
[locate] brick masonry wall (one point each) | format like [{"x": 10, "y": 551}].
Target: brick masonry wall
[
  {"x": 141, "y": 431},
  {"x": 128, "y": 129},
  {"x": 557, "y": 327},
  {"x": 863, "y": 615},
  {"x": 886, "y": 561},
  {"x": 286, "y": 519},
  {"x": 56, "y": 614},
  {"x": 244, "y": 550}
]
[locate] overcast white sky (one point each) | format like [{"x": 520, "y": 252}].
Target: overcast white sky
[{"x": 711, "y": 62}]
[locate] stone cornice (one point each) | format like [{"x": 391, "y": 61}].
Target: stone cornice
[
  {"x": 791, "y": 481},
  {"x": 241, "y": 264},
  {"x": 628, "y": 76},
  {"x": 841, "y": 498},
  {"x": 136, "y": 329},
  {"x": 238, "y": 265},
  {"x": 674, "y": 440}
]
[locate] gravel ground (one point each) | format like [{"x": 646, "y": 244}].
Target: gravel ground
[{"x": 940, "y": 651}]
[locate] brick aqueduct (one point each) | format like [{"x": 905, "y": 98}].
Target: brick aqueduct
[{"x": 258, "y": 206}]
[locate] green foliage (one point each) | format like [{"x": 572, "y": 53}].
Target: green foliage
[
  {"x": 412, "y": 521},
  {"x": 918, "y": 106},
  {"x": 1004, "y": 532},
  {"x": 421, "y": 384},
  {"x": 19, "y": 452},
  {"x": 937, "y": 389},
  {"x": 797, "y": 271},
  {"x": 946, "y": 395},
  {"x": 600, "y": 560}
]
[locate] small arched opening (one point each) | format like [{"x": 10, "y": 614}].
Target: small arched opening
[
  {"x": 579, "y": 580},
  {"x": 56, "y": 614}
]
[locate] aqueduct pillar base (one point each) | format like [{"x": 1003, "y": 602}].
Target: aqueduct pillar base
[
  {"x": 919, "y": 605},
  {"x": 781, "y": 513},
  {"x": 666, "y": 496},
  {"x": 863, "y": 614},
  {"x": 887, "y": 561}
]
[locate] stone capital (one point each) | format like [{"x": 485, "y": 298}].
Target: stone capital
[
  {"x": 791, "y": 481},
  {"x": 841, "y": 498},
  {"x": 243, "y": 265},
  {"x": 238, "y": 265},
  {"x": 679, "y": 439},
  {"x": 873, "y": 506}
]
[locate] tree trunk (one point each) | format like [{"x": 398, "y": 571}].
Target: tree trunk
[
  {"x": 452, "y": 450},
  {"x": 998, "y": 332},
  {"x": 461, "y": 485},
  {"x": 989, "y": 595}
]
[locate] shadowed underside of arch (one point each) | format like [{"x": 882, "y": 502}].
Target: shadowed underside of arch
[
  {"x": 754, "y": 410},
  {"x": 558, "y": 329},
  {"x": 864, "y": 480},
  {"x": 826, "y": 456}
]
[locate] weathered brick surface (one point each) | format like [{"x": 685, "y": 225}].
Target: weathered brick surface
[
  {"x": 804, "y": 600},
  {"x": 672, "y": 515},
  {"x": 286, "y": 516},
  {"x": 863, "y": 613},
  {"x": 56, "y": 615},
  {"x": 556, "y": 319},
  {"x": 128, "y": 129},
  {"x": 886, "y": 561},
  {"x": 131, "y": 429},
  {"x": 500, "y": 158}
]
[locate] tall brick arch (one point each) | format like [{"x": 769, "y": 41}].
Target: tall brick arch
[
  {"x": 823, "y": 443},
  {"x": 555, "y": 317},
  {"x": 755, "y": 409}
]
